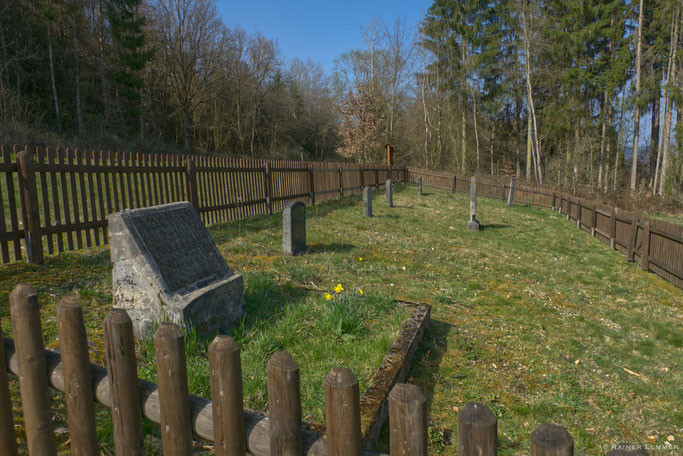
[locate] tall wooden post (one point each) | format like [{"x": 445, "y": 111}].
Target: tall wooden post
[
  {"x": 630, "y": 250},
  {"x": 342, "y": 413},
  {"x": 407, "y": 421},
  {"x": 613, "y": 229},
  {"x": 578, "y": 214},
  {"x": 174, "y": 402},
  {"x": 126, "y": 413},
  {"x": 341, "y": 183},
  {"x": 645, "y": 255},
  {"x": 477, "y": 431},
  {"x": 191, "y": 183},
  {"x": 551, "y": 440},
  {"x": 267, "y": 182},
  {"x": 594, "y": 220},
  {"x": 78, "y": 392},
  {"x": 8, "y": 439},
  {"x": 226, "y": 397},
  {"x": 284, "y": 405},
  {"x": 30, "y": 208},
  {"x": 33, "y": 381},
  {"x": 311, "y": 182},
  {"x": 376, "y": 178}
]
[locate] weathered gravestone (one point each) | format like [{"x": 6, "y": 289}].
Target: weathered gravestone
[
  {"x": 294, "y": 228},
  {"x": 367, "y": 201},
  {"x": 473, "y": 224},
  {"x": 166, "y": 267},
  {"x": 389, "y": 189},
  {"x": 419, "y": 186},
  {"x": 511, "y": 195}
]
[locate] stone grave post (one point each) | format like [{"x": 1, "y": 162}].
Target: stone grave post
[
  {"x": 419, "y": 186},
  {"x": 367, "y": 201},
  {"x": 473, "y": 224},
  {"x": 294, "y": 228},
  {"x": 511, "y": 195},
  {"x": 167, "y": 268},
  {"x": 389, "y": 188}
]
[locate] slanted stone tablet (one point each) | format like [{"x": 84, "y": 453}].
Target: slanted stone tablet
[{"x": 167, "y": 268}]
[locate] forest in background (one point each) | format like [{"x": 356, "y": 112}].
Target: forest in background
[{"x": 551, "y": 91}]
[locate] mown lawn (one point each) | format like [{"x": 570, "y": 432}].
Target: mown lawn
[{"x": 530, "y": 315}]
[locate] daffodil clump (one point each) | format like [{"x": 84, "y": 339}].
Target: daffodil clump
[{"x": 346, "y": 312}]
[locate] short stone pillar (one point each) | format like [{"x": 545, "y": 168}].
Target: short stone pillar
[
  {"x": 367, "y": 201},
  {"x": 473, "y": 224},
  {"x": 511, "y": 195},
  {"x": 419, "y": 186},
  {"x": 294, "y": 228},
  {"x": 389, "y": 188}
]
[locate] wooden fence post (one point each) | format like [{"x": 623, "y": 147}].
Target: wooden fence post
[
  {"x": 267, "y": 186},
  {"x": 455, "y": 184},
  {"x": 594, "y": 220},
  {"x": 630, "y": 251},
  {"x": 119, "y": 347},
  {"x": 311, "y": 180},
  {"x": 29, "y": 207},
  {"x": 226, "y": 397},
  {"x": 578, "y": 214},
  {"x": 407, "y": 421},
  {"x": 33, "y": 381},
  {"x": 551, "y": 440},
  {"x": 511, "y": 195},
  {"x": 613, "y": 229},
  {"x": 645, "y": 254},
  {"x": 341, "y": 183},
  {"x": 8, "y": 439},
  {"x": 376, "y": 178},
  {"x": 342, "y": 413},
  {"x": 284, "y": 405},
  {"x": 191, "y": 183},
  {"x": 569, "y": 208},
  {"x": 174, "y": 403},
  {"x": 477, "y": 430},
  {"x": 554, "y": 201},
  {"x": 362, "y": 178},
  {"x": 78, "y": 392},
  {"x": 405, "y": 174}
]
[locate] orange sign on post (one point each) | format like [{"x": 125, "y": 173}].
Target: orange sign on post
[{"x": 390, "y": 155}]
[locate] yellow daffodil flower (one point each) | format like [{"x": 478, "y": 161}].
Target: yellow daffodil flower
[
  {"x": 328, "y": 296},
  {"x": 339, "y": 288}
]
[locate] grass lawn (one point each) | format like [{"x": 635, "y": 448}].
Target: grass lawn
[{"x": 530, "y": 315}]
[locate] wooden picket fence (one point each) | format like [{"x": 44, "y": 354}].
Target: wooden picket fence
[
  {"x": 59, "y": 199},
  {"x": 184, "y": 417},
  {"x": 656, "y": 245}
]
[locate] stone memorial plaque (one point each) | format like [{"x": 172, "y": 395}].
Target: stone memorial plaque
[
  {"x": 294, "y": 228},
  {"x": 367, "y": 201},
  {"x": 167, "y": 267}
]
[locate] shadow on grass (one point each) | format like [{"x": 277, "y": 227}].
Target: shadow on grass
[
  {"x": 494, "y": 226},
  {"x": 332, "y": 247}
]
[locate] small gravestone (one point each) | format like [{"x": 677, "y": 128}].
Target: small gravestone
[
  {"x": 511, "y": 195},
  {"x": 294, "y": 229},
  {"x": 389, "y": 188},
  {"x": 166, "y": 267},
  {"x": 367, "y": 201},
  {"x": 419, "y": 186},
  {"x": 473, "y": 224}
]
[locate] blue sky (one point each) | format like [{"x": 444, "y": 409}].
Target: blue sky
[{"x": 317, "y": 29}]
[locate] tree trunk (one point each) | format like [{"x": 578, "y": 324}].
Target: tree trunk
[
  {"x": 603, "y": 139},
  {"x": 79, "y": 110},
  {"x": 187, "y": 132},
  {"x": 529, "y": 148},
  {"x": 666, "y": 143},
  {"x": 636, "y": 115},
  {"x": 52, "y": 78}
]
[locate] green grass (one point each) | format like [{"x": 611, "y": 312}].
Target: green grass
[{"x": 530, "y": 315}]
